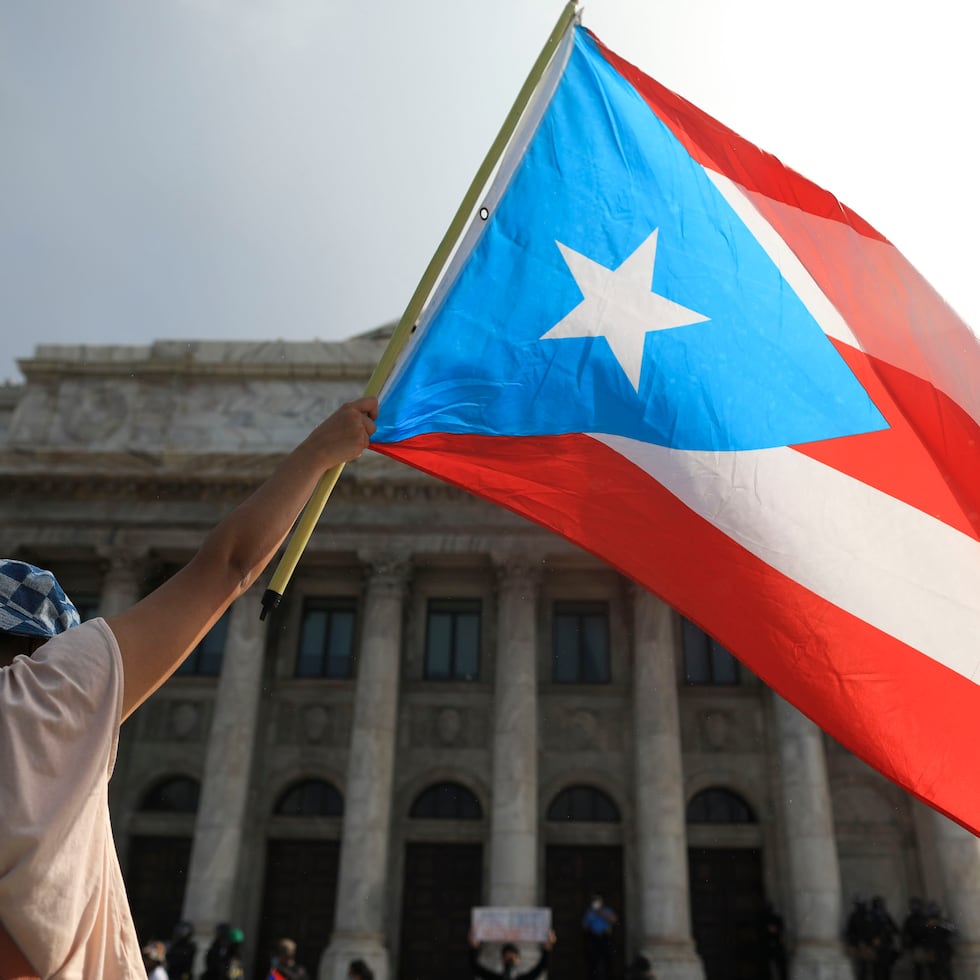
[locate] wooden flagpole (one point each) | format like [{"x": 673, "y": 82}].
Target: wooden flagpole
[{"x": 314, "y": 508}]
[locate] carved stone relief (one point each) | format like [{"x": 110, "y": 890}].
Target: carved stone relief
[
  {"x": 576, "y": 729},
  {"x": 157, "y": 406},
  {"x": 91, "y": 413},
  {"x": 185, "y": 720},
  {"x": 388, "y": 573},
  {"x": 448, "y": 727},
  {"x": 716, "y": 730},
  {"x": 315, "y": 723},
  {"x": 517, "y": 573},
  {"x": 312, "y": 724},
  {"x": 199, "y": 415},
  {"x": 164, "y": 719}
]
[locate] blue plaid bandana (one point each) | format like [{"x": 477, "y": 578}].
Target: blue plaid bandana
[{"x": 32, "y": 603}]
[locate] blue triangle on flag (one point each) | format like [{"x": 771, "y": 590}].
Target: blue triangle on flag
[{"x": 601, "y": 174}]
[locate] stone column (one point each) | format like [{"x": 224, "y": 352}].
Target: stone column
[
  {"x": 121, "y": 582},
  {"x": 814, "y": 871},
  {"x": 216, "y": 853},
  {"x": 123, "y": 572},
  {"x": 514, "y": 782},
  {"x": 363, "y": 886},
  {"x": 665, "y": 916},
  {"x": 957, "y": 854}
]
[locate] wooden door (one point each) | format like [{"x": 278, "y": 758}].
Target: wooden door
[
  {"x": 156, "y": 876},
  {"x": 442, "y": 883},
  {"x": 298, "y": 900},
  {"x": 727, "y": 905}
]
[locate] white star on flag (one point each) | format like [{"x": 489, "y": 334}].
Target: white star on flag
[{"x": 620, "y": 305}]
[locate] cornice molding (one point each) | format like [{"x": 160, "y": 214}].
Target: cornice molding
[
  {"x": 39, "y": 371},
  {"x": 159, "y": 487},
  {"x": 334, "y": 360}
]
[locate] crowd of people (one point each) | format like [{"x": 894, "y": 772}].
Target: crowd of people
[
  {"x": 875, "y": 942},
  {"x": 873, "y": 939},
  {"x": 175, "y": 960}
]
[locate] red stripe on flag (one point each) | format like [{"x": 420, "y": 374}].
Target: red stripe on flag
[
  {"x": 853, "y": 678},
  {"x": 897, "y": 460},
  {"x": 716, "y": 146}
]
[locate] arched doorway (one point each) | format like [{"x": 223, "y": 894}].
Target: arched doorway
[
  {"x": 726, "y": 885},
  {"x": 443, "y": 880},
  {"x": 583, "y": 856},
  {"x": 301, "y": 863}
]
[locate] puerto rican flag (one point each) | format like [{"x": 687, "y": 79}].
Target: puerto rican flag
[{"x": 661, "y": 343}]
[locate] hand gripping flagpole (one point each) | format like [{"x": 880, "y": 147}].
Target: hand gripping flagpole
[{"x": 314, "y": 508}]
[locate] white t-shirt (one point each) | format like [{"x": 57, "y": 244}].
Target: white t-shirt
[{"x": 62, "y": 897}]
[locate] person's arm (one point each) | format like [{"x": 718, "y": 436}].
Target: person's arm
[
  {"x": 538, "y": 967},
  {"x": 542, "y": 964},
  {"x": 477, "y": 968},
  {"x": 157, "y": 633}
]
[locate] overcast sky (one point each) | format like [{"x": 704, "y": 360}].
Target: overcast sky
[{"x": 206, "y": 169}]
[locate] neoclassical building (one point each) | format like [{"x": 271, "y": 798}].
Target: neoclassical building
[{"x": 452, "y": 707}]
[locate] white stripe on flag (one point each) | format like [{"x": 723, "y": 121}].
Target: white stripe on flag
[
  {"x": 784, "y": 258},
  {"x": 933, "y": 342},
  {"x": 907, "y": 574}
]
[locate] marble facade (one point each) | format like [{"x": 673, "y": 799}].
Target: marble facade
[{"x": 115, "y": 461}]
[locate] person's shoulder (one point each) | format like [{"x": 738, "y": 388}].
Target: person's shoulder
[
  {"x": 91, "y": 639},
  {"x": 82, "y": 663},
  {"x": 86, "y": 657}
]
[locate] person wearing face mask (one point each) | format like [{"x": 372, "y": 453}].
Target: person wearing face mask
[{"x": 597, "y": 924}]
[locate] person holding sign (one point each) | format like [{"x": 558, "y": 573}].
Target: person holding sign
[{"x": 510, "y": 960}]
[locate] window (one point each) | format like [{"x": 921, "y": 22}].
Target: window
[
  {"x": 719, "y": 806},
  {"x": 178, "y": 795},
  {"x": 446, "y": 801},
  {"x": 326, "y": 642},
  {"x": 310, "y": 798},
  {"x": 706, "y": 661},
  {"x": 583, "y": 804},
  {"x": 205, "y": 659},
  {"x": 580, "y": 640},
  {"x": 452, "y": 640}
]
